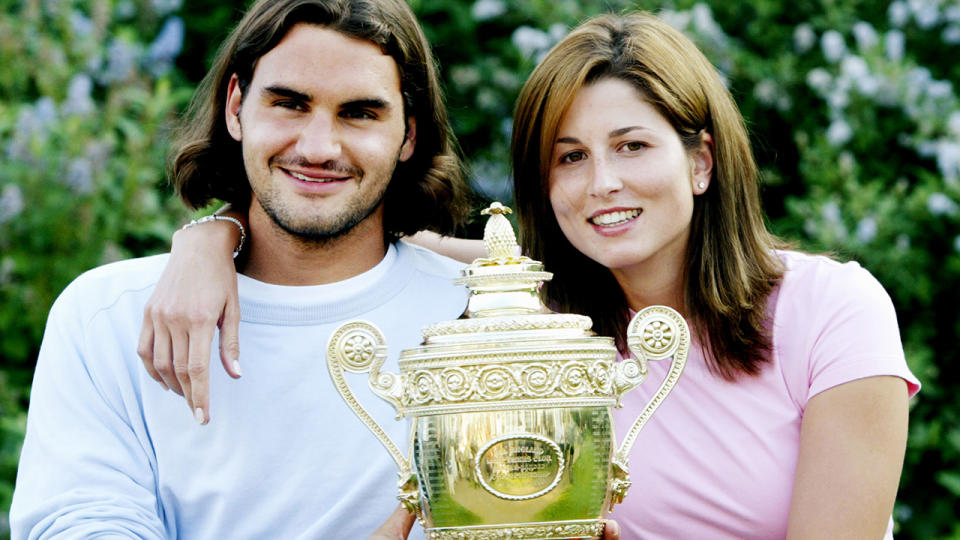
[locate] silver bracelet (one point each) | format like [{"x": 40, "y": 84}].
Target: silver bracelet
[{"x": 216, "y": 217}]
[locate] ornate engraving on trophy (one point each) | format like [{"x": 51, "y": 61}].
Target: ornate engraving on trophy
[
  {"x": 511, "y": 405},
  {"x": 519, "y": 467}
]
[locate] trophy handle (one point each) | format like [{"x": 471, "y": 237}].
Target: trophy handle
[
  {"x": 359, "y": 347},
  {"x": 655, "y": 333}
]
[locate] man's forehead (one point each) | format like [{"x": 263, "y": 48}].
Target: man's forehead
[{"x": 311, "y": 51}]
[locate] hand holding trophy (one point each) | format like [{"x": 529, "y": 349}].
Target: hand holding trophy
[{"x": 511, "y": 406}]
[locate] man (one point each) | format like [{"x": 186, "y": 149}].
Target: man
[{"x": 323, "y": 119}]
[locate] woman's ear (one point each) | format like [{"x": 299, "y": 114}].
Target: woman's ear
[
  {"x": 701, "y": 161},
  {"x": 232, "y": 111}
]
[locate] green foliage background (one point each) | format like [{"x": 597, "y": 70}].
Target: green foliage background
[{"x": 852, "y": 105}]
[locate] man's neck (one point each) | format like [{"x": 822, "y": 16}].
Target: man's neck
[{"x": 281, "y": 258}]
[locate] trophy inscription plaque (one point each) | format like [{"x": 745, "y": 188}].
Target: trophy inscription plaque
[{"x": 511, "y": 406}]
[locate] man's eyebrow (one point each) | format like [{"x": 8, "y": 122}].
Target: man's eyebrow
[
  {"x": 367, "y": 103},
  {"x": 283, "y": 91}
]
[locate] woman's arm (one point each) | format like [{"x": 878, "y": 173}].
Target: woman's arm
[
  {"x": 197, "y": 292},
  {"x": 461, "y": 249},
  {"x": 852, "y": 442}
]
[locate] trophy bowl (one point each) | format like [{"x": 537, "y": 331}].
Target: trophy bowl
[{"x": 511, "y": 406}]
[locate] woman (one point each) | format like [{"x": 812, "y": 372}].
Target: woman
[{"x": 634, "y": 175}]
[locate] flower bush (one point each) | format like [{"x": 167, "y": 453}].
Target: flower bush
[{"x": 852, "y": 105}]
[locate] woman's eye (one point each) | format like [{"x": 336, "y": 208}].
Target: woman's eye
[
  {"x": 572, "y": 157},
  {"x": 633, "y": 146}
]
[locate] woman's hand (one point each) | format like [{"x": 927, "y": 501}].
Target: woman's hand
[{"x": 197, "y": 292}]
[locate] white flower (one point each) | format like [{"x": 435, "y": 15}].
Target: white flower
[
  {"x": 11, "y": 202},
  {"x": 804, "y": 38},
  {"x": 948, "y": 160},
  {"x": 839, "y": 132},
  {"x": 865, "y": 35},
  {"x": 903, "y": 243},
  {"x": 952, "y": 13},
  {"x": 866, "y": 230},
  {"x": 956, "y": 244},
  {"x": 163, "y": 7},
  {"x": 925, "y": 12},
  {"x": 557, "y": 31},
  {"x": 78, "y": 100},
  {"x": 893, "y": 43},
  {"x": 121, "y": 61},
  {"x": 79, "y": 175},
  {"x": 166, "y": 47},
  {"x": 898, "y": 12},
  {"x": 704, "y": 23},
  {"x": 854, "y": 67},
  {"x": 939, "y": 89},
  {"x": 465, "y": 77},
  {"x": 766, "y": 92},
  {"x": 819, "y": 79},
  {"x": 830, "y": 212},
  {"x": 953, "y": 123},
  {"x": 951, "y": 35},
  {"x": 677, "y": 19},
  {"x": 939, "y": 204},
  {"x": 81, "y": 25},
  {"x": 484, "y": 10},
  {"x": 838, "y": 99},
  {"x": 833, "y": 46},
  {"x": 530, "y": 41}
]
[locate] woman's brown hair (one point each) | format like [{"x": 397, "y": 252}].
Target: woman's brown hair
[
  {"x": 731, "y": 265},
  {"x": 426, "y": 192}
]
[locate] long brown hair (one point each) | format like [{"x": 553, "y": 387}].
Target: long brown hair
[
  {"x": 730, "y": 266},
  {"x": 206, "y": 163}
]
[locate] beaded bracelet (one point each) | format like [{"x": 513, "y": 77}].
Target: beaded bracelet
[{"x": 216, "y": 217}]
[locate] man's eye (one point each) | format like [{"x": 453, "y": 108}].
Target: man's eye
[
  {"x": 358, "y": 114},
  {"x": 289, "y": 104}
]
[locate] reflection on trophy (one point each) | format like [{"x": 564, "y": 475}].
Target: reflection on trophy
[{"x": 511, "y": 405}]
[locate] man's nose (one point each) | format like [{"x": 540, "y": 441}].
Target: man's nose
[{"x": 319, "y": 140}]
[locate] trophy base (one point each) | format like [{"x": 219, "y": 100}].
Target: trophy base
[{"x": 546, "y": 530}]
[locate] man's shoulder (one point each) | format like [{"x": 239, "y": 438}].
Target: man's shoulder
[
  {"x": 429, "y": 262},
  {"x": 103, "y": 286}
]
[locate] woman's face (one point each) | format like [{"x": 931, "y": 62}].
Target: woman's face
[{"x": 622, "y": 183}]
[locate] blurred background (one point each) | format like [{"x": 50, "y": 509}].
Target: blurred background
[{"x": 852, "y": 105}]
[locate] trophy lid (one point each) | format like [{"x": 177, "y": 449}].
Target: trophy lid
[{"x": 504, "y": 293}]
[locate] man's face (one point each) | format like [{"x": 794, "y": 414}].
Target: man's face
[{"x": 322, "y": 128}]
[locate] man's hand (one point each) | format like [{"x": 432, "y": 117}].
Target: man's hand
[
  {"x": 197, "y": 292},
  {"x": 397, "y": 526}
]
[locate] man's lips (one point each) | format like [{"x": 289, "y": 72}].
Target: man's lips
[
  {"x": 615, "y": 217},
  {"x": 320, "y": 177}
]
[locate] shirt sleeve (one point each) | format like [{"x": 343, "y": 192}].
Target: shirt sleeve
[
  {"x": 839, "y": 325},
  {"x": 83, "y": 470}
]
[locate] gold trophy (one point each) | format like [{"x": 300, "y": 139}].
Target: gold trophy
[{"x": 511, "y": 405}]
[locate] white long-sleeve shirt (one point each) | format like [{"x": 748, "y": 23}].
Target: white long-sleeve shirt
[{"x": 109, "y": 453}]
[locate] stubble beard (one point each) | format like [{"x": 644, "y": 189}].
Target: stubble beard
[{"x": 320, "y": 231}]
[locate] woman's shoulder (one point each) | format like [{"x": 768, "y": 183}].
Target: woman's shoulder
[{"x": 823, "y": 278}]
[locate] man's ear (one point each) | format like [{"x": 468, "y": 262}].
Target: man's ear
[
  {"x": 410, "y": 139},
  {"x": 701, "y": 160},
  {"x": 232, "y": 111}
]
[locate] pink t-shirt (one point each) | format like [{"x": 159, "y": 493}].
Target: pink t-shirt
[{"x": 717, "y": 458}]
